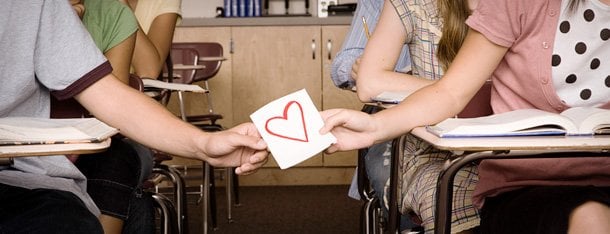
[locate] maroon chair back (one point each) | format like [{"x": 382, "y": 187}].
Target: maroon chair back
[
  {"x": 191, "y": 53},
  {"x": 479, "y": 105}
]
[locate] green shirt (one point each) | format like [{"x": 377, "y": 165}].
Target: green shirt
[{"x": 109, "y": 22}]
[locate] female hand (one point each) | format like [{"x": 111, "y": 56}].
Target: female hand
[{"x": 353, "y": 129}]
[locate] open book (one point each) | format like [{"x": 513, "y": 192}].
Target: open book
[
  {"x": 575, "y": 121},
  {"x": 389, "y": 97},
  {"x": 150, "y": 83},
  {"x": 40, "y": 131}
]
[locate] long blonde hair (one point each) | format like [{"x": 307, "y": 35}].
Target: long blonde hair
[{"x": 454, "y": 14}]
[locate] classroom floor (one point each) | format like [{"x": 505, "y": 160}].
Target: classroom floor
[{"x": 283, "y": 209}]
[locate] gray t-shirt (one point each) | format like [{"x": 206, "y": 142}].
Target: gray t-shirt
[{"x": 44, "y": 49}]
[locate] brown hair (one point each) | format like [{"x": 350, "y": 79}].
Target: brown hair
[{"x": 454, "y": 14}]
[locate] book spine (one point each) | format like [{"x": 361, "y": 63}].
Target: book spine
[
  {"x": 234, "y": 8},
  {"x": 257, "y": 7},
  {"x": 228, "y": 8}
]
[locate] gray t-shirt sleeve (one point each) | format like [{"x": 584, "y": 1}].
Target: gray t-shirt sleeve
[{"x": 65, "y": 52}]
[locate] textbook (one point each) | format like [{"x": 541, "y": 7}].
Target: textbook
[
  {"x": 576, "y": 121},
  {"x": 44, "y": 131},
  {"x": 388, "y": 97},
  {"x": 150, "y": 83}
]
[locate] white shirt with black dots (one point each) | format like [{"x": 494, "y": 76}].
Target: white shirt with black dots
[{"x": 581, "y": 54}]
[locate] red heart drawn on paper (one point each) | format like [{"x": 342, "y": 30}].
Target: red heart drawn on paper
[{"x": 286, "y": 121}]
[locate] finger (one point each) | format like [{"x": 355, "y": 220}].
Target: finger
[
  {"x": 259, "y": 157},
  {"x": 331, "y": 149},
  {"x": 331, "y": 121},
  {"x": 246, "y": 169},
  {"x": 252, "y": 142}
]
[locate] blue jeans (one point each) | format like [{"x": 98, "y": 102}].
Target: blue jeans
[
  {"x": 378, "y": 161},
  {"x": 114, "y": 180},
  {"x": 44, "y": 211}
]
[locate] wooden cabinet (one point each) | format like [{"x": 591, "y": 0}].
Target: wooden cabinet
[
  {"x": 268, "y": 62},
  {"x": 333, "y": 97}
]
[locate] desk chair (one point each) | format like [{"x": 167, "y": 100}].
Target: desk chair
[
  {"x": 172, "y": 212},
  {"x": 372, "y": 221},
  {"x": 72, "y": 109},
  {"x": 199, "y": 62}
]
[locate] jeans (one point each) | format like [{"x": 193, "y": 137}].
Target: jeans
[
  {"x": 112, "y": 177},
  {"x": 44, "y": 211},
  {"x": 114, "y": 182},
  {"x": 378, "y": 167}
]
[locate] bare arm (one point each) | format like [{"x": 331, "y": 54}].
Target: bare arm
[
  {"x": 474, "y": 64},
  {"x": 151, "y": 124},
  {"x": 119, "y": 57},
  {"x": 376, "y": 73},
  {"x": 152, "y": 49}
]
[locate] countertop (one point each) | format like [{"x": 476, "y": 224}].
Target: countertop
[{"x": 266, "y": 21}]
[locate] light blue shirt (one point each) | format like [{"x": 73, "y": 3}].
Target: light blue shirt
[{"x": 354, "y": 43}]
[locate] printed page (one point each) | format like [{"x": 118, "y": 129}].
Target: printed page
[
  {"x": 589, "y": 119},
  {"x": 173, "y": 86},
  {"x": 24, "y": 130},
  {"x": 525, "y": 122}
]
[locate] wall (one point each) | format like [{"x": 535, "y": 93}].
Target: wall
[{"x": 207, "y": 8}]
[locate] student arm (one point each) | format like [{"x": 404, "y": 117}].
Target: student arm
[
  {"x": 151, "y": 124},
  {"x": 376, "y": 72},
  {"x": 120, "y": 56},
  {"x": 474, "y": 64},
  {"x": 152, "y": 49}
]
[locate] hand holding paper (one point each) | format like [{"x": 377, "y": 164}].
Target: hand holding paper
[{"x": 290, "y": 125}]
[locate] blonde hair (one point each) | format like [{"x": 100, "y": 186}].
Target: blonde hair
[{"x": 454, "y": 14}]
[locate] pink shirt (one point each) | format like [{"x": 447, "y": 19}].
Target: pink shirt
[{"x": 523, "y": 80}]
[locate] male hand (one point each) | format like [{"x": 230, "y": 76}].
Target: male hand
[{"x": 241, "y": 147}]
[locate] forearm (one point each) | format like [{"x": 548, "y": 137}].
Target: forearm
[
  {"x": 140, "y": 117},
  {"x": 146, "y": 60},
  {"x": 428, "y": 106},
  {"x": 372, "y": 83}
]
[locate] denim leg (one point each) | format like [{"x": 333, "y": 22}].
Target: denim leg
[
  {"x": 377, "y": 162},
  {"x": 112, "y": 177},
  {"x": 378, "y": 166},
  {"x": 44, "y": 211},
  {"x": 141, "y": 218}
]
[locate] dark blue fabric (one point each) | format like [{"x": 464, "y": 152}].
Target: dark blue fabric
[{"x": 44, "y": 211}]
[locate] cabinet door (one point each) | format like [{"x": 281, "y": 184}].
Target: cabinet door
[
  {"x": 220, "y": 85},
  {"x": 333, "y": 97},
  {"x": 272, "y": 61}
]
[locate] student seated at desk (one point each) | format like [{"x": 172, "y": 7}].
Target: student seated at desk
[
  {"x": 157, "y": 21},
  {"x": 418, "y": 25},
  {"x": 551, "y": 61},
  {"x": 46, "y": 50},
  {"x": 343, "y": 73}
]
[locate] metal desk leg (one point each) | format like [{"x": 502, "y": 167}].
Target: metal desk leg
[{"x": 205, "y": 202}]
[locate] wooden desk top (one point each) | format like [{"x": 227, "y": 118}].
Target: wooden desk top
[
  {"x": 52, "y": 149},
  {"x": 601, "y": 142}
]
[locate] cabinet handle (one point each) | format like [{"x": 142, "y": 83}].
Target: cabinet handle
[
  {"x": 313, "y": 49},
  {"x": 329, "y": 47}
]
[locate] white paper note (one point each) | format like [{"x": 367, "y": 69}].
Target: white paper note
[{"x": 290, "y": 125}]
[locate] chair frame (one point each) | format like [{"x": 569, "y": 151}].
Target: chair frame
[{"x": 478, "y": 106}]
